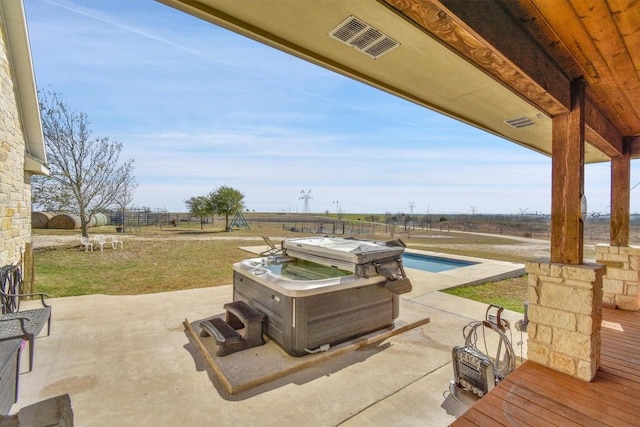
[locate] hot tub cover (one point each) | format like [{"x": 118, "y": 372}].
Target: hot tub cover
[{"x": 342, "y": 250}]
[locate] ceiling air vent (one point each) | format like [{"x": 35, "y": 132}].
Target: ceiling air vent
[
  {"x": 362, "y": 36},
  {"x": 520, "y": 122}
]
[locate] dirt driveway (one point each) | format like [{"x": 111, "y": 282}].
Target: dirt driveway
[{"x": 43, "y": 240}]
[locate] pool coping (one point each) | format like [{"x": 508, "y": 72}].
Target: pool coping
[{"x": 484, "y": 270}]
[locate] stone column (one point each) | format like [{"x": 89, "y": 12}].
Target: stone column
[
  {"x": 565, "y": 316},
  {"x": 621, "y": 284}
]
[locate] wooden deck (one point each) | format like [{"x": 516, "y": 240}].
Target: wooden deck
[{"x": 538, "y": 396}]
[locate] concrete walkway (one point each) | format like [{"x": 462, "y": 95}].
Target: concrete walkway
[{"x": 126, "y": 361}]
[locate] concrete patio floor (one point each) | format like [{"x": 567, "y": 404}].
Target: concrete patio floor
[{"x": 127, "y": 361}]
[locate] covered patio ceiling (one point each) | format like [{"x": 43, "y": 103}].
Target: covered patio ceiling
[{"x": 502, "y": 66}]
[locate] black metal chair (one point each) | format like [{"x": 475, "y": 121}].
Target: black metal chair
[{"x": 14, "y": 323}]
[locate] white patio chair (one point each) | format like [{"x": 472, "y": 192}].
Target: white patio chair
[
  {"x": 86, "y": 244},
  {"x": 100, "y": 240},
  {"x": 115, "y": 241}
]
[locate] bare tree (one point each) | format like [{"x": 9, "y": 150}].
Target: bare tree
[
  {"x": 390, "y": 221},
  {"x": 125, "y": 196},
  {"x": 86, "y": 175}
]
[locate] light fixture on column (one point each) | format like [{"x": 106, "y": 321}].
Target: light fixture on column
[{"x": 583, "y": 207}]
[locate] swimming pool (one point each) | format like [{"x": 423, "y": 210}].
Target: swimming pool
[{"x": 432, "y": 263}]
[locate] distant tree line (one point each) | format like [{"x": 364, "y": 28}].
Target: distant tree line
[{"x": 223, "y": 201}]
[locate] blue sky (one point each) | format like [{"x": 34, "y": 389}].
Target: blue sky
[{"x": 198, "y": 107}]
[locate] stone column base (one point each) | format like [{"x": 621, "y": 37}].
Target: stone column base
[
  {"x": 621, "y": 284},
  {"x": 565, "y": 315}
]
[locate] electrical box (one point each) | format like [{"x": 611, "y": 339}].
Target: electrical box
[{"x": 472, "y": 370}]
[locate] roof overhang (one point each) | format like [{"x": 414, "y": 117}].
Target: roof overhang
[
  {"x": 19, "y": 52},
  {"x": 422, "y": 69}
]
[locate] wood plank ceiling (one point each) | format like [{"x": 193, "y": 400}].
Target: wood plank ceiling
[{"x": 598, "y": 40}]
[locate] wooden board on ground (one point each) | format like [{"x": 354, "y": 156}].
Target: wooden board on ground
[{"x": 259, "y": 365}]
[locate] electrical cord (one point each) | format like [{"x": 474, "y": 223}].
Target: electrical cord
[{"x": 503, "y": 365}]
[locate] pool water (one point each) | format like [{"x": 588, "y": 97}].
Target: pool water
[{"x": 431, "y": 263}]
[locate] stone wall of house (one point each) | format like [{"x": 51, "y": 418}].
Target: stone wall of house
[
  {"x": 565, "y": 314},
  {"x": 621, "y": 284},
  {"x": 15, "y": 185}
]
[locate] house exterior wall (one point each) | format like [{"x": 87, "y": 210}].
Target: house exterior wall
[
  {"x": 15, "y": 184},
  {"x": 621, "y": 284}
]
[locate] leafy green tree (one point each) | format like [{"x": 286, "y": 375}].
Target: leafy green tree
[
  {"x": 86, "y": 175},
  {"x": 226, "y": 201},
  {"x": 199, "y": 206}
]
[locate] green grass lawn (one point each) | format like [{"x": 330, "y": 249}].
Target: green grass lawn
[
  {"x": 509, "y": 293},
  {"x": 143, "y": 266},
  {"x": 174, "y": 258}
]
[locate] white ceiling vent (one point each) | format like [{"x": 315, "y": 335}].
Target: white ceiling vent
[
  {"x": 362, "y": 36},
  {"x": 520, "y": 122}
]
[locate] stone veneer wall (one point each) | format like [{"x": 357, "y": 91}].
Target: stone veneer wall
[
  {"x": 621, "y": 284},
  {"x": 15, "y": 185},
  {"x": 565, "y": 315}
]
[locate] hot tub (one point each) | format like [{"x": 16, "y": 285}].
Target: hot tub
[{"x": 332, "y": 296}]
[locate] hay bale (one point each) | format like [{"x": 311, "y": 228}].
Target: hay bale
[
  {"x": 40, "y": 219},
  {"x": 99, "y": 219},
  {"x": 65, "y": 222}
]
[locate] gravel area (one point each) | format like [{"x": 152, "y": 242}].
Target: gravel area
[{"x": 43, "y": 240}]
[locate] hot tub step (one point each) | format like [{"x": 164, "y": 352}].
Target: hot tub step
[
  {"x": 228, "y": 339},
  {"x": 243, "y": 313},
  {"x": 240, "y": 313}
]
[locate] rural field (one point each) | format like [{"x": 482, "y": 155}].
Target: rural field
[{"x": 167, "y": 258}]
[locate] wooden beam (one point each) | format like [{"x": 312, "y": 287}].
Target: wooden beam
[
  {"x": 511, "y": 44},
  {"x": 567, "y": 181},
  {"x": 489, "y": 25},
  {"x": 489, "y": 35},
  {"x": 595, "y": 40},
  {"x": 601, "y": 133},
  {"x": 634, "y": 146},
  {"x": 28, "y": 270},
  {"x": 620, "y": 198}
]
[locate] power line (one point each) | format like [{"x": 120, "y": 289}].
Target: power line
[{"x": 306, "y": 196}]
